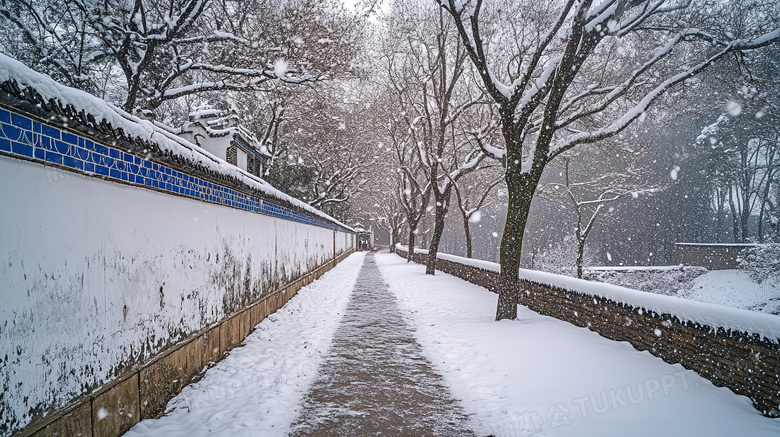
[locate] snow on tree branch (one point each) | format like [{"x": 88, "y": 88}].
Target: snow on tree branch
[
  {"x": 163, "y": 47},
  {"x": 634, "y": 113}
]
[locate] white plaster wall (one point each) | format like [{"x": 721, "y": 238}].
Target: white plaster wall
[
  {"x": 344, "y": 242},
  {"x": 241, "y": 161},
  {"x": 216, "y": 146},
  {"x": 98, "y": 275}
]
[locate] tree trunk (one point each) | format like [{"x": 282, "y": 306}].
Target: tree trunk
[
  {"x": 580, "y": 256},
  {"x": 721, "y": 214},
  {"x": 520, "y": 196},
  {"x": 743, "y": 224},
  {"x": 438, "y": 230},
  {"x": 410, "y": 252},
  {"x": 764, "y": 201},
  {"x": 393, "y": 239},
  {"x": 467, "y": 231},
  {"x": 734, "y": 219}
]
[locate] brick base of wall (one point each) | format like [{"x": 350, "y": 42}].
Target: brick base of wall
[
  {"x": 144, "y": 392},
  {"x": 743, "y": 362}
]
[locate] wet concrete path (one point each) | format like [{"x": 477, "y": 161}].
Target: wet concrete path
[{"x": 376, "y": 381}]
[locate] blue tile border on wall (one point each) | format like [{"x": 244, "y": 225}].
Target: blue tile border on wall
[{"x": 26, "y": 137}]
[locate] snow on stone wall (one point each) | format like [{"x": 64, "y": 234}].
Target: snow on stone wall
[
  {"x": 706, "y": 314},
  {"x": 731, "y": 347}
]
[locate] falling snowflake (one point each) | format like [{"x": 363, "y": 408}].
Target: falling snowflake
[
  {"x": 673, "y": 173},
  {"x": 733, "y": 108},
  {"x": 280, "y": 68}
]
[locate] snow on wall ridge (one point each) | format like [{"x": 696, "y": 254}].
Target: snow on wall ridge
[
  {"x": 25, "y": 137},
  {"x": 722, "y": 319},
  {"x": 717, "y": 244},
  {"x": 678, "y": 268},
  {"x": 142, "y": 136},
  {"x": 471, "y": 262}
]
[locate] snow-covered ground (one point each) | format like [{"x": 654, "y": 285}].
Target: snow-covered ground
[
  {"x": 544, "y": 377},
  {"x": 668, "y": 280},
  {"x": 734, "y": 288},
  {"x": 535, "y": 376},
  {"x": 257, "y": 389}
]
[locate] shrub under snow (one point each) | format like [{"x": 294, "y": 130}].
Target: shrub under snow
[
  {"x": 669, "y": 280},
  {"x": 762, "y": 262}
]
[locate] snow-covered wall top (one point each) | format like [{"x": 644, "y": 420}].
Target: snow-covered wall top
[
  {"x": 707, "y": 314},
  {"x": 20, "y": 81},
  {"x": 717, "y": 244}
]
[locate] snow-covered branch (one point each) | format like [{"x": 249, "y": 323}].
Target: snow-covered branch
[
  {"x": 632, "y": 114},
  {"x": 161, "y": 48}
]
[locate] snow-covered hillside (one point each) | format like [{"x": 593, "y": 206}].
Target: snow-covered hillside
[{"x": 734, "y": 288}]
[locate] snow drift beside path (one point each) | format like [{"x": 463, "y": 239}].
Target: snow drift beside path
[
  {"x": 48, "y": 88},
  {"x": 541, "y": 376},
  {"x": 703, "y": 313},
  {"x": 257, "y": 389}
]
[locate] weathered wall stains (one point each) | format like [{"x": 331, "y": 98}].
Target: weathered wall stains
[{"x": 99, "y": 277}]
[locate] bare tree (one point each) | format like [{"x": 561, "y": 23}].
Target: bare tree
[
  {"x": 559, "y": 80},
  {"x": 53, "y": 39},
  {"x": 389, "y": 214},
  {"x": 323, "y": 150},
  {"x": 414, "y": 190},
  {"x": 430, "y": 78},
  {"x": 382, "y": 198},
  {"x": 471, "y": 199},
  {"x": 167, "y": 49},
  {"x": 746, "y": 171},
  {"x": 590, "y": 184},
  {"x": 742, "y": 148}
]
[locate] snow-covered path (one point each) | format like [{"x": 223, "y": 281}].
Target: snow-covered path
[
  {"x": 255, "y": 391},
  {"x": 539, "y": 376},
  {"x": 535, "y": 376},
  {"x": 376, "y": 381}
]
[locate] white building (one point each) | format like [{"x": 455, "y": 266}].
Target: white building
[{"x": 221, "y": 135}]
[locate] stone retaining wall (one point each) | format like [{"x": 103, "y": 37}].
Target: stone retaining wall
[
  {"x": 143, "y": 392},
  {"x": 744, "y": 362}
]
